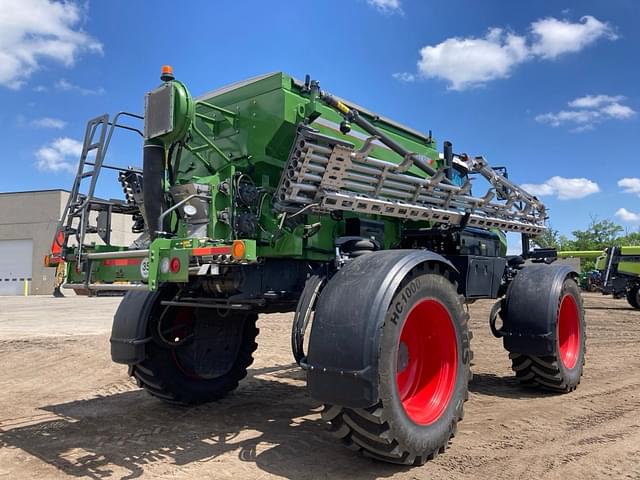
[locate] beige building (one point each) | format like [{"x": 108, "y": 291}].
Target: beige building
[{"x": 28, "y": 223}]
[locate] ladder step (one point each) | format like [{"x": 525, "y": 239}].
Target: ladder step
[
  {"x": 88, "y": 174},
  {"x": 93, "y": 146}
]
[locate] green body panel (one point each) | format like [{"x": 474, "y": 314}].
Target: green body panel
[
  {"x": 631, "y": 267},
  {"x": 167, "y": 250},
  {"x": 107, "y": 271},
  {"x": 580, "y": 254},
  {"x": 183, "y": 113}
]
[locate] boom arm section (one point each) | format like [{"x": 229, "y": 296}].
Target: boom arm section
[{"x": 324, "y": 174}]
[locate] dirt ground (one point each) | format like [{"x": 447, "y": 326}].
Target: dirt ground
[{"x": 67, "y": 411}]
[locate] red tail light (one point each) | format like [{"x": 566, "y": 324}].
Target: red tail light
[
  {"x": 56, "y": 246},
  {"x": 174, "y": 265}
]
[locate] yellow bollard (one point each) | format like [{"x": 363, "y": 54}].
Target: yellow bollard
[{"x": 26, "y": 288}]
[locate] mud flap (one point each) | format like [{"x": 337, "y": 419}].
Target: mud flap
[
  {"x": 344, "y": 345},
  {"x": 129, "y": 330},
  {"x": 529, "y": 311}
]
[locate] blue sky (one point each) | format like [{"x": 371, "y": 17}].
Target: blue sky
[{"x": 548, "y": 88}]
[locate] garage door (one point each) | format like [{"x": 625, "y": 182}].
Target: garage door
[{"x": 15, "y": 265}]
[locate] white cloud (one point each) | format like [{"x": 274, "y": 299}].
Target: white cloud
[
  {"x": 568, "y": 116},
  {"x": 582, "y": 128},
  {"x": 60, "y": 155},
  {"x": 404, "y": 76},
  {"x": 48, "y": 122},
  {"x": 35, "y": 30},
  {"x": 588, "y": 111},
  {"x": 386, "y": 6},
  {"x": 616, "y": 110},
  {"x": 555, "y": 37},
  {"x": 630, "y": 185},
  {"x": 65, "y": 86},
  {"x": 594, "y": 101},
  {"x": 563, "y": 188},
  {"x": 627, "y": 216},
  {"x": 467, "y": 62}
]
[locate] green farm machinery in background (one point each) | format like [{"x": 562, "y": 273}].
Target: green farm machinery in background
[
  {"x": 616, "y": 272},
  {"x": 273, "y": 195}
]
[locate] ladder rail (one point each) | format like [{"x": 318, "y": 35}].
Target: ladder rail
[{"x": 75, "y": 189}]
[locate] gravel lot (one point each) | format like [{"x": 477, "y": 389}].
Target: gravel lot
[{"x": 67, "y": 411}]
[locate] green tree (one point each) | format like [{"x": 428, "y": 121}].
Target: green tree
[
  {"x": 630, "y": 239},
  {"x": 599, "y": 234},
  {"x": 549, "y": 239}
]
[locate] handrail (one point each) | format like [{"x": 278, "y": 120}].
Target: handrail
[{"x": 118, "y": 254}]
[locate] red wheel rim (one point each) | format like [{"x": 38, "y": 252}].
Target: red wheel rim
[
  {"x": 427, "y": 362},
  {"x": 569, "y": 331},
  {"x": 181, "y": 326}
]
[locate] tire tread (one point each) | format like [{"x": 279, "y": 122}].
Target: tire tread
[
  {"x": 366, "y": 430},
  {"x": 545, "y": 371},
  {"x": 148, "y": 378}
]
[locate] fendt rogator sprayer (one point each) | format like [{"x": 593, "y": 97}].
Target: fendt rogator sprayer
[
  {"x": 272, "y": 195},
  {"x": 617, "y": 271}
]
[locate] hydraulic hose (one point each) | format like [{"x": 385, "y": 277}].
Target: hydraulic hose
[{"x": 354, "y": 117}]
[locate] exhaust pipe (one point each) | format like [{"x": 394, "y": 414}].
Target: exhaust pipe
[{"x": 152, "y": 187}]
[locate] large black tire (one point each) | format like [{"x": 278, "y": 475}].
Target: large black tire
[
  {"x": 203, "y": 368},
  {"x": 633, "y": 296},
  {"x": 388, "y": 431},
  {"x": 560, "y": 372}
]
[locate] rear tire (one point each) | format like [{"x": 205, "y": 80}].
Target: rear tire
[
  {"x": 424, "y": 371},
  {"x": 633, "y": 296},
  {"x": 199, "y": 368},
  {"x": 560, "y": 372}
]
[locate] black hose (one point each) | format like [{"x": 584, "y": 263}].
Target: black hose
[
  {"x": 176, "y": 161},
  {"x": 448, "y": 158},
  {"x": 354, "y": 117}
]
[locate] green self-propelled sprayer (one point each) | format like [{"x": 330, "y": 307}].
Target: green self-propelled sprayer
[
  {"x": 616, "y": 273},
  {"x": 272, "y": 195}
]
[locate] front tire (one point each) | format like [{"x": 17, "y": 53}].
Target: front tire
[
  {"x": 424, "y": 371},
  {"x": 633, "y": 296},
  {"x": 560, "y": 372},
  {"x": 196, "y": 355}
]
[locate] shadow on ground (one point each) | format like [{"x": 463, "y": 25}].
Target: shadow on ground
[
  {"x": 268, "y": 422},
  {"x": 629, "y": 309},
  {"x": 505, "y": 387}
]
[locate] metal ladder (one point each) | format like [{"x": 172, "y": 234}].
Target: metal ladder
[{"x": 80, "y": 198}]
